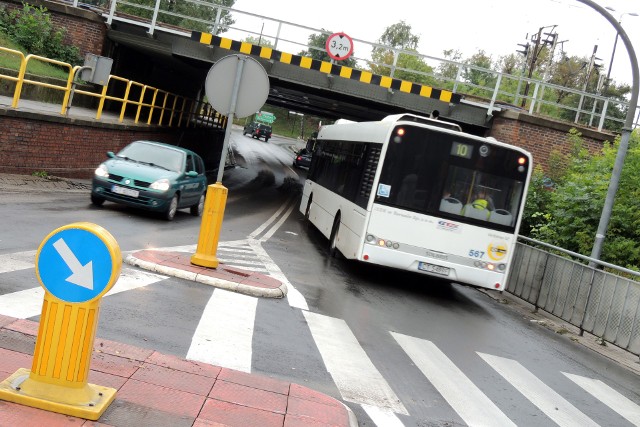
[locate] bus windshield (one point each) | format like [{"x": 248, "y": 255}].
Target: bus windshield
[{"x": 449, "y": 175}]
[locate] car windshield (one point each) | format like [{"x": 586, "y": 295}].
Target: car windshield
[{"x": 156, "y": 155}]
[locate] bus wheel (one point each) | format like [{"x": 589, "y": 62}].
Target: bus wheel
[
  {"x": 308, "y": 211},
  {"x": 333, "y": 250}
]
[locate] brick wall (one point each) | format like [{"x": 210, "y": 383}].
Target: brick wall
[
  {"x": 542, "y": 136},
  {"x": 72, "y": 148},
  {"x": 84, "y": 28}
]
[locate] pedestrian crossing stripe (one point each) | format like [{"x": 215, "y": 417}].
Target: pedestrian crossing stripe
[{"x": 327, "y": 67}]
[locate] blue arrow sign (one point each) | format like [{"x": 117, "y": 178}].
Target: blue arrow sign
[{"x": 75, "y": 265}]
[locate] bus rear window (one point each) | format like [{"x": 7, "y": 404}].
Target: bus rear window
[{"x": 447, "y": 175}]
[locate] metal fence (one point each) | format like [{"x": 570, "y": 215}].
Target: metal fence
[
  {"x": 489, "y": 88},
  {"x": 138, "y": 100},
  {"x": 603, "y": 303}
]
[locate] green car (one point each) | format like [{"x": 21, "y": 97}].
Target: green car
[{"x": 152, "y": 176}]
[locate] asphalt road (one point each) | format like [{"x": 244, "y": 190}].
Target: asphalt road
[{"x": 398, "y": 348}]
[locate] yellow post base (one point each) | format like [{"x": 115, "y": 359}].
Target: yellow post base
[
  {"x": 212, "y": 215},
  {"x": 204, "y": 260},
  {"x": 88, "y": 402}
]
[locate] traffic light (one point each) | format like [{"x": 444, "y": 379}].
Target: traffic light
[{"x": 525, "y": 49}]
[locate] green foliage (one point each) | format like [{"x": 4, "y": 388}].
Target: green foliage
[
  {"x": 568, "y": 216},
  {"x": 197, "y": 16},
  {"x": 536, "y": 220},
  {"x": 317, "y": 49},
  {"x": 40, "y": 174},
  {"x": 32, "y": 28},
  {"x": 259, "y": 41},
  {"x": 399, "y": 36}
]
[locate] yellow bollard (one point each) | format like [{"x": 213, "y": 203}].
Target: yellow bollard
[
  {"x": 214, "y": 205},
  {"x": 59, "y": 372}
]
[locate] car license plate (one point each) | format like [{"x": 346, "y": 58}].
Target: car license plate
[
  {"x": 432, "y": 268},
  {"x": 125, "y": 191}
]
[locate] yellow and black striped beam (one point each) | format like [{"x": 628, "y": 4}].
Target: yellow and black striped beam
[{"x": 326, "y": 67}]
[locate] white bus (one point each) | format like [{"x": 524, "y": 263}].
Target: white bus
[{"x": 418, "y": 194}]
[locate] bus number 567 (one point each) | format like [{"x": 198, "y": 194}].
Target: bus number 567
[{"x": 475, "y": 254}]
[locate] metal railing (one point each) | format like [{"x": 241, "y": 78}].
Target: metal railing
[
  {"x": 562, "y": 283},
  {"x": 160, "y": 107},
  {"x": 490, "y": 89}
]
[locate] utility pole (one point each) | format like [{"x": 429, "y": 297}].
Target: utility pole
[
  {"x": 592, "y": 66},
  {"x": 525, "y": 52},
  {"x": 552, "y": 39},
  {"x": 538, "y": 45}
]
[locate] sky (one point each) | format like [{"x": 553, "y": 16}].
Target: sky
[{"x": 495, "y": 26}]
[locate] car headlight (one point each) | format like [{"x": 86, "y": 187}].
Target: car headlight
[
  {"x": 102, "y": 171},
  {"x": 161, "y": 185}
]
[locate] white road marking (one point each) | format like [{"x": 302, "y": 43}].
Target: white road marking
[
  {"x": 17, "y": 261},
  {"x": 614, "y": 400},
  {"x": 473, "y": 406},
  {"x": 546, "y": 399},
  {"x": 352, "y": 371},
  {"x": 294, "y": 296},
  {"x": 267, "y": 223},
  {"x": 224, "y": 335},
  {"x": 28, "y": 303},
  {"x": 266, "y": 236},
  {"x": 22, "y": 304},
  {"x": 381, "y": 417},
  {"x": 133, "y": 279}
]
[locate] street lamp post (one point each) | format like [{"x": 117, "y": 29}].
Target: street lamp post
[
  {"x": 614, "y": 182},
  {"x": 615, "y": 43}
]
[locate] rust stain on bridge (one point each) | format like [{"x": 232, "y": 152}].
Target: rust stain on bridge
[{"x": 327, "y": 67}]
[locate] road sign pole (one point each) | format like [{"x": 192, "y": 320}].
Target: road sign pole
[
  {"x": 248, "y": 94},
  {"x": 232, "y": 112},
  {"x": 215, "y": 202},
  {"x": 58, "y": 379}
]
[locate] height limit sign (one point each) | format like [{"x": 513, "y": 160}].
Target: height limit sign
[{"x": 339, "y": 46}]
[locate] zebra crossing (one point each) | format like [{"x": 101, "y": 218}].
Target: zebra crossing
[{"x": 227, "y": 325}]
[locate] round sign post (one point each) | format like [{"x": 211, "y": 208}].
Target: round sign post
[
  {"x": 245, "y": 96},
  {"x": 76, "y": 265},
  {"x": 339, "y": 46}
]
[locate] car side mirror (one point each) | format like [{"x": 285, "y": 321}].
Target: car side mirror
[
  {"x": 110, "y": 154},
  {"x": 192, "y": 174}
]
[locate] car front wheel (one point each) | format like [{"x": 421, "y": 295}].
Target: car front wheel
[
  {"x": 97, "y": 200},
  {"x": 170, "y": 213},
  {"x": 197, "y": 209}
]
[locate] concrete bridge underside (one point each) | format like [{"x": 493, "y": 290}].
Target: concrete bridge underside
[{"x": 178, "y": 63}]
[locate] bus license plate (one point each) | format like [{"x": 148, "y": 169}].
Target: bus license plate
[
  {"x": 125, "y": 191},
  {"x": 431, "y": 268}
]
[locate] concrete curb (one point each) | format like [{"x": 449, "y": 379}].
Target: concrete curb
[
  {"x": 228, "y": 285},
  {"x": 353, "y": 421}
]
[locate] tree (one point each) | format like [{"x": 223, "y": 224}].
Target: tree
[
  {"x": 449, "y": 72},
  {"x": 259, "y": 41},
  {"x": 479, "y": 78},
  {"x": 317, "y": 49},
  {"x": 399, "y": 37},
  {"x": 569, "y": 217},
  {"x": 183, "y": 13}
]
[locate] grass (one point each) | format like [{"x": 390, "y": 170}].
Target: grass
[{"x": 12, "y": 61}]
